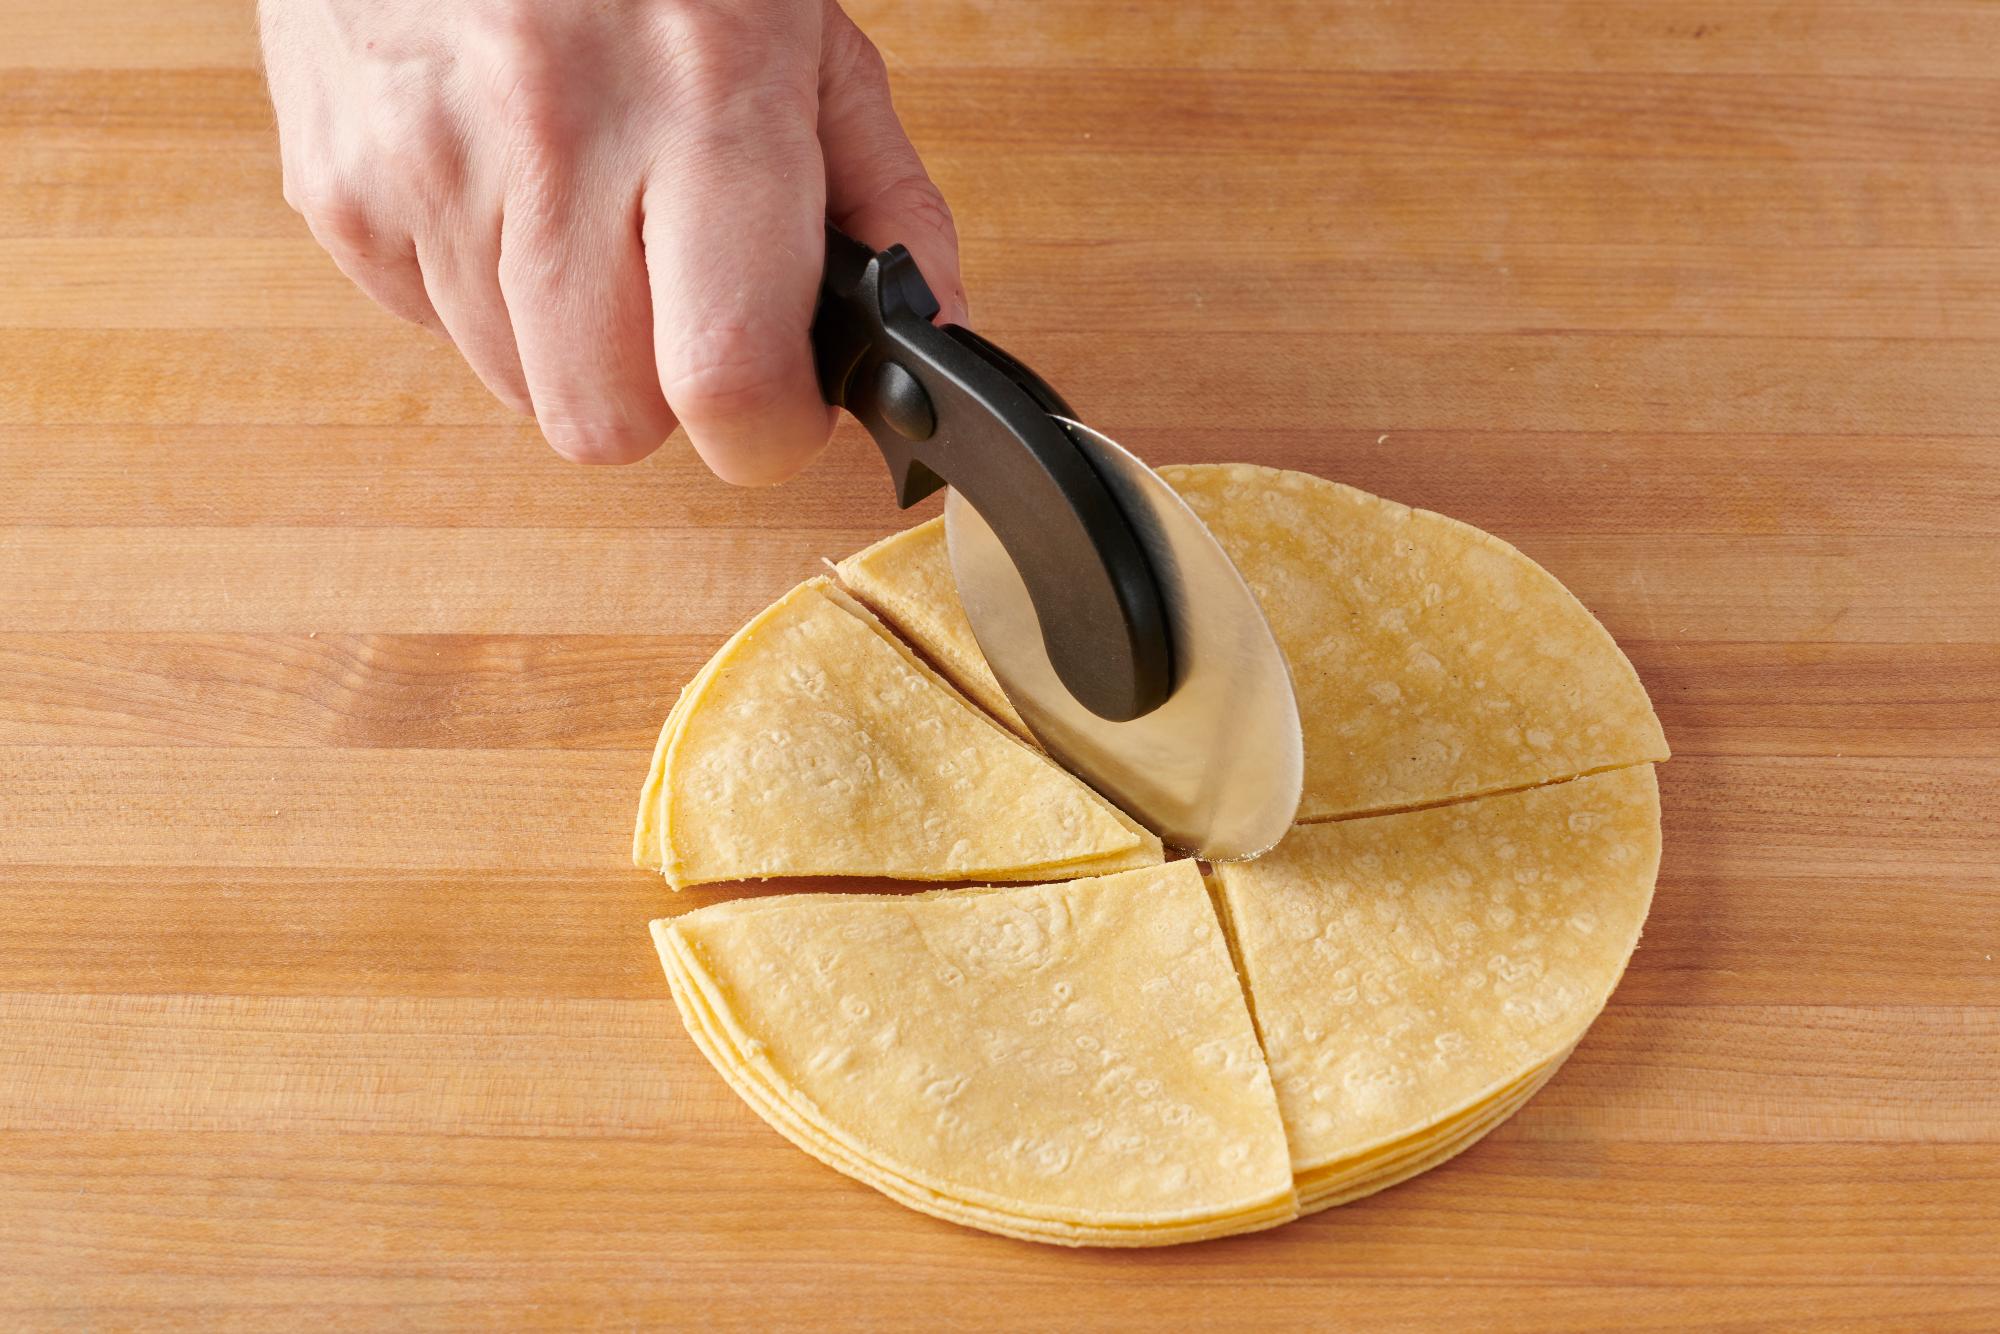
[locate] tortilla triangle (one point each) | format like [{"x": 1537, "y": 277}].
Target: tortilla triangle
[
  {"x": 1408, "y": 971},
  {"x": 816, "y": 744},
  {"x": 1069, "y": 1062},
  {"x": 1431, "y": 660}
]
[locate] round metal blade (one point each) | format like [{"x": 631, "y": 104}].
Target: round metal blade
[{"x": 1217, "y": 769}]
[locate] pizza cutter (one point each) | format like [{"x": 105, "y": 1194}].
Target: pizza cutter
[{"x": 1119, "y": 629}]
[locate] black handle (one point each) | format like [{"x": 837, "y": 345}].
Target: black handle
[{"x": 946, "y": 406}]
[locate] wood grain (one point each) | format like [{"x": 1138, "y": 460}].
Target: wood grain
[
  {"x": 584, "y": 581},
  {"x": 1757, "y": 37},
  {"x": 325, "y": 687},
  {"x": 1513, "y": 482},
  {"x": 585, "y": 692},
  {"x": 1380, "y": 382},
  {"x": 136, "y": 183},
  {"x": 1257, "y": 284},
  {"x": 565, "y": 1067},
  {"x": 1423, "y": 112},
  {"x": 1898, "y": 939},
  {"x": 500, "y": 1295}
]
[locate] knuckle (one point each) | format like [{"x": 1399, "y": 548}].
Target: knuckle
[
  {"x": 703, "y": 37},
  {"x": 714, "y": 56},
  {"x": 419, "y": 150},
  {"x": 541, "y": 264},
  {"x": 532, "y": 109},
  {"x": 535, "y": 119},
  {"x": 339, "y": 216},
  {"x": 520, "y": 84}
]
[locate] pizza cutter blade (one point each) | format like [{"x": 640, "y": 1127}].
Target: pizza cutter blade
[
  {"x": 1114, "y": 621},
  {"x": 1217, "y": 769}
]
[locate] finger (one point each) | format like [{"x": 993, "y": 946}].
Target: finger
[
  {"x": 734, "y": 236},
  {"x": 574, "y": 277},
  {"x": 877, "y": 189},
  {"x": 462, "y": 276},
  {"x": 382, "y": 263}
]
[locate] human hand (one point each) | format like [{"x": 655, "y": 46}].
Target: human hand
[{"x": 614, "y": 210}]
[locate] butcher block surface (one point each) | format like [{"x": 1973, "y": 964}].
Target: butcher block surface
[{"x": 326, "y": 689}]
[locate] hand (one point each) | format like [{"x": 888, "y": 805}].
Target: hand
[{"x": 613, "y": 209}]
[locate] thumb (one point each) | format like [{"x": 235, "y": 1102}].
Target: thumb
[{"x": 876, "y": 188}]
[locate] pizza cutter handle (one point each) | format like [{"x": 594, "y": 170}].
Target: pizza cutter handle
[{"x": 945, "y": 406}]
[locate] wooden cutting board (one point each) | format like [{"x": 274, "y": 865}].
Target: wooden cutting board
[{"x": 325, "y": 689}]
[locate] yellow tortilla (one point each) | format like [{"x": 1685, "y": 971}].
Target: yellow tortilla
[
  {"x": 1139, "y": 1059},
  {"x": 906, "y": 579},
  {"x": 816, "y": 744},
  {"x": 1432, "y": 660},
  {"x": 1405, "y": 968},
  {"x": 1069, "y": 1063}
]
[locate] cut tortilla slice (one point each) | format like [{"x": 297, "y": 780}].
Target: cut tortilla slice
[
  {"x": 1432, "y": 661},
  {"x": 1069, "y": 1063},
  {"x": 906, "y": 579},
  {"x": 771, "y": 1105},
  {"x": 1404, "y": 969},
  {"x": 816, "y": 744}
]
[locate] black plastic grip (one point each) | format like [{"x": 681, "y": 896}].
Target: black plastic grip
[{"x": 946, "y": 406}]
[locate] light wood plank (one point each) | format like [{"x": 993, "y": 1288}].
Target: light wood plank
[
  {"x": 1841, "y": 937},
  {"x": 499, "y": 476},
  {"x": 1499, "y": 114},
  {"x": 137, "y": 182},
  {"x": 182, "y": 807},
  {"x": 1322, "y": 285},
  {"x": 319, "y": 1208},
  {"x": 407, "y": 581},
  {"x": 1527, "y": 113},
  {"x": 1332, "y": 285},
  {"x": 390, "y": 691},
  {"x": 178, "y": 283},
  {"x": 1144, "y": 1301},
  {"x": 1853, "y": 937},
  {"x": 481, "y": 809},
  {"x": 113, "y": 34},
  {"x": 1692, "y": 36},
  {"x": 1747, "y": 819},
  {"x": 546, "y": 1067},
  {"x": 1757, "y": 37},
  {"x": 358, "y": 932},
  {"x": 1393, "y": 200},
  {"x": 589, "y": 692},
  {"x": 583, "y": 581},
  {"x": 1382, "y": 383},
  {"x": 1508, "y": 482},
  {"x": 1689, "y": 1073},
  {"x": 512, "y": 1067},
  {"x": 1825, "y": 699}
]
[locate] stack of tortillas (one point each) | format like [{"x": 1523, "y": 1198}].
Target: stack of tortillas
[{"x": 1122, "y": 1052}]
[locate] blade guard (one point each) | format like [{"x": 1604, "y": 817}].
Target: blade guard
[{"x": 947, "y": 407}]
